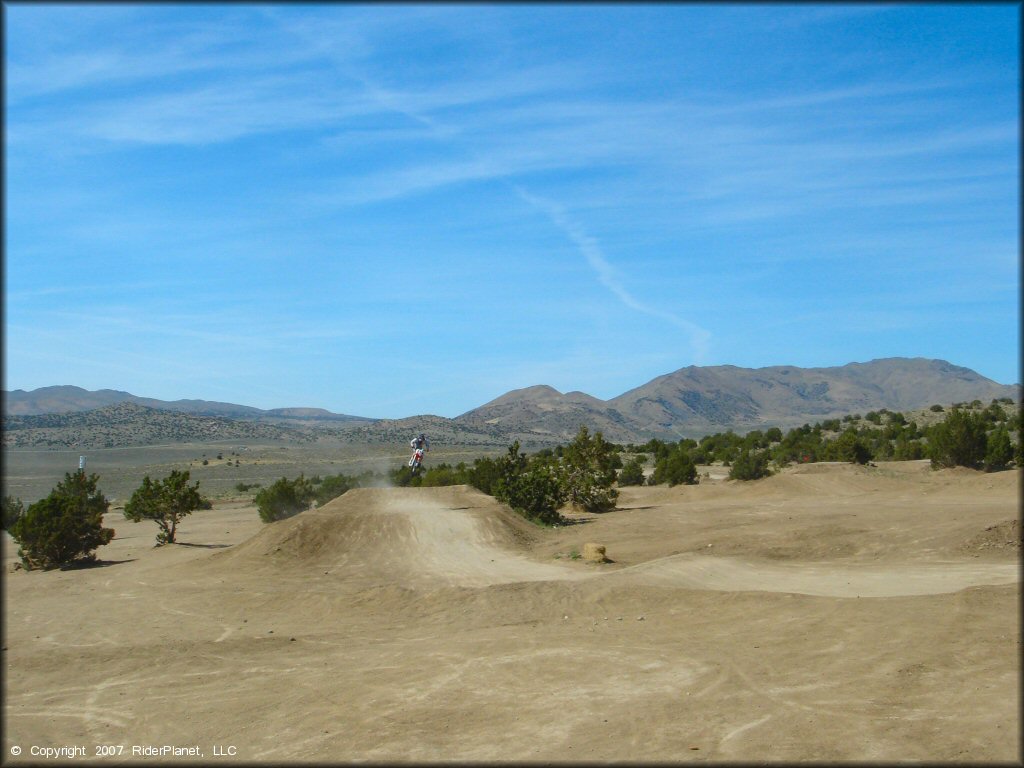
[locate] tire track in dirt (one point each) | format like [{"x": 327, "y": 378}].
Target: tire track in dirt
[
  {"x": 821, "y": 579},
  {"x": 456, "y": 536}
]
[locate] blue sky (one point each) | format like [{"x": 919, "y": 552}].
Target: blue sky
[{"x": 392, "y": 210}]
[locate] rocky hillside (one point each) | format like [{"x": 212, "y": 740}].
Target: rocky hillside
[
  {"x": 543, "y": 414},
  {"x": 696, "y": 401},
  {"x": 68, "y": 399},
  {"x": 690, "y": 402},
  {"x": 126, "y": 424},
  {"x": 440, "y": 430}
]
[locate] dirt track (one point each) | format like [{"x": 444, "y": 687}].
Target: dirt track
[{"x": 828, "y": 613}]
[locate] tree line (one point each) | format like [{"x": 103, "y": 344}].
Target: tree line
[
  {"x": 587, "y": 472},
  {"x": 65, "y": 528}
]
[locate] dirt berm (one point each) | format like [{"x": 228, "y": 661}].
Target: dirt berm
[
  {"x": 458, "y": 536},
  {"x": 827, "y": 614},
  {"x": 455, "y": 536}
]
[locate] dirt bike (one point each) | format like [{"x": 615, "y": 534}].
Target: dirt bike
[{"x": 416, "y": 460}]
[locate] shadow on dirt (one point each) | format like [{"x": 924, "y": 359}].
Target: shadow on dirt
[
  {"x": 568, "y": 521},
  {"x": 83, "y": 565},
  {"x": 202, "y": 546}
]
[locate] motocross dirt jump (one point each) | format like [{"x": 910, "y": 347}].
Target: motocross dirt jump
[{"x": 828, "y": 613}]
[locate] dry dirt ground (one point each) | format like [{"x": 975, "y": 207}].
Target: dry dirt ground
[{"x": 828, "y": 613}]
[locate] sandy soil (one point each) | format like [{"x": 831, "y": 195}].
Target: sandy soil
[{"x": 828, "y": 613}]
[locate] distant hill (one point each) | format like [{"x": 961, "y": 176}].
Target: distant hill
[
  {"x": 440, "y": 430},
  {"x": 544, "y": 414},
  {"x": 695, "y": 401},
  {"x": 69, "y": 399},
  {"x": 691, "y": 402},
  {"x": 125, "y": 424}
]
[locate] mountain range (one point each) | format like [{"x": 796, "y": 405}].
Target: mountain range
[
  {"x": 689, "y": 402},
  {"x": 695, "y": 401},
  {"x": 70, "y": 399}
]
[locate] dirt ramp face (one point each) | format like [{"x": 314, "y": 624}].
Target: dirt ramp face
[{"x": 451, "y": 536}]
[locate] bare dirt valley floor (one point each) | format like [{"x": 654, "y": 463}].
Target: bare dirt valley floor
[{"x": 827, "y": 613}]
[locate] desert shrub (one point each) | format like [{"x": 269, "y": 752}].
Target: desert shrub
[
  {"x": 958, "y": 441},
  {"x": 1013, "y": 422},
  {"x": 750, "y": 465},
  {"x": 588, "y": 465},
  {"x": 677, "y": 468},
  {"x": 721, "y": 446},
  {"x": 891, "y": 431},
  {"x": 851, "y": 447},
  {"x": 533, "y": 489},
  {"x": 284, "y": 498},
  {"x": 66, "y": 526},
  {"x": 697, "y": 456},
  {"x": 484, "y": 474},
  {"x": 632, "y": 473},
  {"x": 656, "y": 447},
  {"x": 907, "y": 449},
  {"x": 801, "y": 445},
  {"x": 402, "y": 476},
  {"x": 243, "y": 487},
  {"x": 537, "y": 493},
  {"x": 755, "y": 439},
  {"x": 165, "y": 502},
  {"x": 333, "y": 486},
  {"x": 936, "y": 408},
  {"x": 998, "y": 451},
  {"x": 994, "y": 414},
  {"x": 445, "y": 474},
  {"x": 878, "y": 447},
  {"x": 13, "y": 509}
]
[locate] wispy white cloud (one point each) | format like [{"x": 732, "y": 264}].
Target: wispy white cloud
[
  {"x": 608, "y": 276},
  {"x": 97, "y": 58},
  {"x": 221, "y": 112},
  {"x": 92, "y": 290},
  {"x": 809, "y": 15},
  {"x": 191, "y": 141}
]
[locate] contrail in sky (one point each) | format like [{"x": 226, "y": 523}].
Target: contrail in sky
[{"x": 588, "y": 246}]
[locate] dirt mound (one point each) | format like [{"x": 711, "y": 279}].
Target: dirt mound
[
  {"x": 454, "y": 535},
  {"x": 832, "y": 478},
  {"x": 1001, "y": 536}
]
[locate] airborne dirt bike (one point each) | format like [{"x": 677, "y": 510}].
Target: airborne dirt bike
[{"x": 416, "y": 460}]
